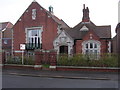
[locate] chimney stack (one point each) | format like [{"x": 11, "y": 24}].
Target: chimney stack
[{"x": 85, "y": 14}]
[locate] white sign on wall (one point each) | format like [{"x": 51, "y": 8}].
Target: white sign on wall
[{"x": 22, "y": 46}]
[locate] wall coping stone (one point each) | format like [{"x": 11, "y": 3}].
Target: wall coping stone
[{"x": 87, "y": 67}]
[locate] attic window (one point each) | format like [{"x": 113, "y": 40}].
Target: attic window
[
  {"x": 33, "y": 14},
  {"x": 84, "y": 28}
]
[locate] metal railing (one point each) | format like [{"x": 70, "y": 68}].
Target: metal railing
[{"x": 32, "y": 46}]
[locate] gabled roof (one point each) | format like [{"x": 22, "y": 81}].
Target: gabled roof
[
  {"x": 77, "y": 32},
  {"x": 56, "y": 19},
  {"x": 101, "y": 31},
  {"x": 4, "y": 25}
]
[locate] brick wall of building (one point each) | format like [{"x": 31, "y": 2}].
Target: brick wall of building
[
  {"x": 42, "y": 20},
  {"x": 92, "y": 36}
]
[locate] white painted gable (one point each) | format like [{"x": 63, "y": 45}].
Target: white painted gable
[
  {"x": 84, "y": 28},
  {"x": 63, "y": 39}
]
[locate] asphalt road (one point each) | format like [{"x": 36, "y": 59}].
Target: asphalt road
[{"x": 14, "y": 81}]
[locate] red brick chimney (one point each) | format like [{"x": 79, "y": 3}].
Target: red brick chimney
[{"x": 85, "y": 14}]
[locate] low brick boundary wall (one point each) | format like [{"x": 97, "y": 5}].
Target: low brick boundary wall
[
  {"x": 65, "y": 68},
  {"x": 14, "y": 66},
  {"x": 98, "y": 69}
]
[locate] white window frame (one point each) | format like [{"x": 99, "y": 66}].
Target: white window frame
[
  {"x": 91, "y": 51},
  {"x": 34, "y": 28}
]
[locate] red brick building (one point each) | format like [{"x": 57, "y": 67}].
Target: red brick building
[
  {"x": 5, "y": 39},
  {"x": 116, "y": 40},
  {"x": 36, "y": 28},
  {"x": 85, "y": 37}
]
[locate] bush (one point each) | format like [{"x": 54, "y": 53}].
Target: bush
[
  {"x": 15, "y": 60},
  {"x": 18, "y": 60},
  {"x": 75, "y": 60},
  {"x": 106, "y": 60},
  {"x": 63, "y": 60},
  {"x": 29, "y": 61},
  {"x": 109, "y": 60}
]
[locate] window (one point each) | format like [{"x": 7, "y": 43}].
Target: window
[
  {"x": 5, "y": 41},
  {"x": 33, "y": 14},
  {"x": 91, "y": 48},
  {"x": 34, "y": 38}
]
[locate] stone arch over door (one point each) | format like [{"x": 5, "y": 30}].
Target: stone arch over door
[{"x": 65, "y": 42}]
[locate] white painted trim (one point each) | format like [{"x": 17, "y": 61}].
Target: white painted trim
[
  {"x": 68, "y": 42},
  {"x": 84, "y": 28},
  {"x": 37, "y": 66},
  {"x": 31, "y": 28},
  {"x": 18, "y": 51},
  {"x": 89, "y": 67},
  {"x": 52, "y": 67},
  {"x": 109, "y": 47},
  {"x": 12, "y": 43},
  {"x": 91, "y": 41},
  {"x": 35, "y": 28}
]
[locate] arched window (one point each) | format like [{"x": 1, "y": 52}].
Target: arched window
[{"x": 91, "y": 48}]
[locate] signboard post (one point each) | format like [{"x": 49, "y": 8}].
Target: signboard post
[{"x": 22, "y": 47}]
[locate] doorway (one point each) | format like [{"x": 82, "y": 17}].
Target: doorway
[{"x": 64, "y": 49}]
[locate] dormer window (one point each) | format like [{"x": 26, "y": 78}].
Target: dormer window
[
  {"x": 33, "y": 14},
  {"x": 84, "y": 28}
]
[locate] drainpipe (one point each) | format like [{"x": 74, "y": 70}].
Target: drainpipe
[{"x": 1, "y": 48}]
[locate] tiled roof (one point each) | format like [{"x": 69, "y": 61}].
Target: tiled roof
[
  {"x": 4, "y": 25},
  {"x": 101, "y": 31},
  {"x": 56, "y": 19},
  {"x": 59, "y": 21}
]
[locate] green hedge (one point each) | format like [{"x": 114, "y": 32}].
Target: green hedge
[
  {"x": 105, "y": 60},
  {"x": 18, "y": 60}
]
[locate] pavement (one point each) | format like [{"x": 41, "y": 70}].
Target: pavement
[{"x": 63, "y": 74}]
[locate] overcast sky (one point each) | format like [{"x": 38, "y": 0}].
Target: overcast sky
[{"x": 102, "y": 12}]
